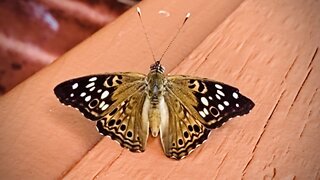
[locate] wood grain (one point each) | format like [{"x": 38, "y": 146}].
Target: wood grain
[{"x": 268, "y": 49}]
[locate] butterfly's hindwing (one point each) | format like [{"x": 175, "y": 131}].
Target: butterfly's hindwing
[
  {"x": 125, "y": 124},
  {"x": 213, "y": 102},
  {"x": 96, "y": 95},
  {"x": 184, "y": 132}
]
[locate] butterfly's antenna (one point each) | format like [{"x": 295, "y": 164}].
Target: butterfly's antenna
[
  {"x": 145, "y": 33},
  {"x": 174, "y": 38}
]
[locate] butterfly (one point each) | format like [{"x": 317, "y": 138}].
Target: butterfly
[{"x": 127, "y": 106}]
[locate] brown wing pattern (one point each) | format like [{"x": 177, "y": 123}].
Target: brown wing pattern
[
  {"x": 183, "y": 133},
  {"x": 211, "y": 102},
  {"x": 125, "y": 124}
]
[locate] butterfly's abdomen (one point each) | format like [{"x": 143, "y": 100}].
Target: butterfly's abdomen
[{"x": 156, "y": 114}]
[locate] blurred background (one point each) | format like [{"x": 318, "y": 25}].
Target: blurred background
[{"x": 33, "y": 33}]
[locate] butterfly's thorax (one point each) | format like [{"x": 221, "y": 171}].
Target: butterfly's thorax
[
  {"x": 156, "y": 81},
  {"x": 155, "y": 88}
]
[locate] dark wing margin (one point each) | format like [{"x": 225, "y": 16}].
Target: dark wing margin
[
  {"x": 213, "y": 102},
  {"x": 96, "y": 95}
]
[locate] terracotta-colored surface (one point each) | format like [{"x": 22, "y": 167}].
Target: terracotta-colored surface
[{"x": 268, "y": 49}]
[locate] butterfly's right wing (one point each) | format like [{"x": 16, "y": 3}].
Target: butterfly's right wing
[
  {"x": 195, "y": 106},
  {"x": 211, "y": 102},
  {"x": 182, "y": 132}
]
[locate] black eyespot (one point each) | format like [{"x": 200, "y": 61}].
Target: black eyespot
[
  {"x": 192, "y": 81},
  {"x": 111, "y": 122},
  {"x": 180, "y": 141},
  {"x": 118, "y": 122},
  {"x": 129, "y": 134},
  {"x": 138, "y": 138},
  {"x": 119, "y": 77},
  {"x": 93, "y": 103},
  {"x": 173, "y": 144},
  {"x": 113, "y": 111},
  {"x": 190, "y": 128},
  {"x": 196, "y": 128},
  {"x": 185, "y": 134},
  {"x": 123, "y": 127},
  {"x": 214, "y": 111}
]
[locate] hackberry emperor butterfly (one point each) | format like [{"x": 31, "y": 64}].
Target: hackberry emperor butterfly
[{"x": 126, "y": 106}]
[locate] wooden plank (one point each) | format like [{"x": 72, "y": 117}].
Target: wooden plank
[
  {"x": 42, "y": 139},
  {"x": 265, "y": 49}
]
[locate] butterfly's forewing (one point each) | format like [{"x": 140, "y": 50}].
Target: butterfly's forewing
[
  {"x": 97, "y": 95},
  {"x": 211, "y": 102},
  {"x": 183, "y": 132}
]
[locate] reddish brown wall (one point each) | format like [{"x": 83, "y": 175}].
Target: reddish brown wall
[{"x": 34, "y": 33}]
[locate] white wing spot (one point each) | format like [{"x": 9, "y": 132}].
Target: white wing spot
[
  {"x": 104, "y": 94},
  {"x": 71, "y": 95},
  {"x": 105, "y": 107},
  {"x": 101, "y": 104},
  {"x": 237, "y": 105},
  {"x": 90, "y": 85},
  {"x": 218, "y": 86},
  {"x": 75, "y": 85},
  {"x": 218, "y": 97},
  {"x": 210, "y": 97},
  {"x": 87, "y": 99},
  {"x": 93, "y": 79},
  {"x": 206, "y": 111},
  {"x": 226, "y": 103},
  {"x": 83, "y": 94},
  {"x": 235, "y": 95},
  {"x": 204, "y": 101},
  {"x": 202, "y": 114},
  {"x": 92, "y": 89},
  {"x": 99, "y": 91},
  {"x": 220, "y": 107},
  {"x": 220, "y": 92}
]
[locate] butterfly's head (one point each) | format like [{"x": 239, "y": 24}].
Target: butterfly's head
[{"x": 156, "y": 67}]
